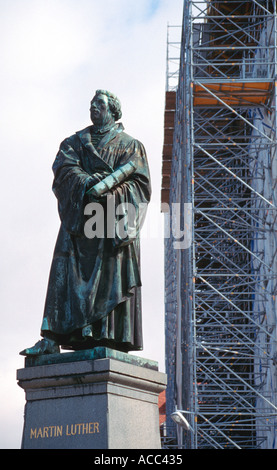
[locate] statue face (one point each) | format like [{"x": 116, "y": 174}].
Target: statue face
[{"x": 100, "y": 113}]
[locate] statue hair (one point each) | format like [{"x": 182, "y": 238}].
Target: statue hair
[{"x": 114, "y": 103}]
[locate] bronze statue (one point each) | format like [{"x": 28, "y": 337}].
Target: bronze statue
[{"x": 93, "y": 296}]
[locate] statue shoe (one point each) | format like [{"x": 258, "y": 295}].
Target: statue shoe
[{"x": 44, "y": 346}]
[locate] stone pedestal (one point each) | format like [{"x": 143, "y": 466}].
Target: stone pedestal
[{"x": 93, "y": 399}]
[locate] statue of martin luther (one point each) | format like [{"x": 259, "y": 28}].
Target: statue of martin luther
[{"x": 94, "y": 291}]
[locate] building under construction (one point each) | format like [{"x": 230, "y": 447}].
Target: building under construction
[{"x": 220, "y": 167}]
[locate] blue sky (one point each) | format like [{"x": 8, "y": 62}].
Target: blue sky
[
  {"x": 54, "y": 55},
  {"x": 154, "y": 6}
]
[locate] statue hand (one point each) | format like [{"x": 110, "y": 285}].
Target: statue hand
[{"x": 100, "y": 175}]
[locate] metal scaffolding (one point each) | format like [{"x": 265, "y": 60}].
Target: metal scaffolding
[
  {"x": 220, "y": 293},
  {"x": 172, "y": 57}
]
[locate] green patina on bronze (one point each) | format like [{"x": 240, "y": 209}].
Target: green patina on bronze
[
  {"x": 94, "y": 292},
  {"x": 88, "y": 355}
]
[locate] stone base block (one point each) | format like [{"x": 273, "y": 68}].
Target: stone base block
[{"x": 94, "y": 399}]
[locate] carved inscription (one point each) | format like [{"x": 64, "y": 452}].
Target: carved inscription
[{"x": 80, "y": 429}]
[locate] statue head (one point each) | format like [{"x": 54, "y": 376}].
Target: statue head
[{"x": 105, "y": 108}]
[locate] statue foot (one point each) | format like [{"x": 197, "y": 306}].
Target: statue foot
[{"x": 44, "y": 346}]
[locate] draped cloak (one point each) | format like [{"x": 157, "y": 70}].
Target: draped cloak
[{"x": 95, "y": 282}]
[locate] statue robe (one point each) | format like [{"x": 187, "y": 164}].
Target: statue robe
[{"x": 95, "y": 282}]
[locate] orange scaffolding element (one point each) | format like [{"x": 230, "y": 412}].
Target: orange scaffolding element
[{"x": 234, "y": 94}]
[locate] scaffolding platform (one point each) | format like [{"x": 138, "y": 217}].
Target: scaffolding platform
[{"x": 237, "y": 94}]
